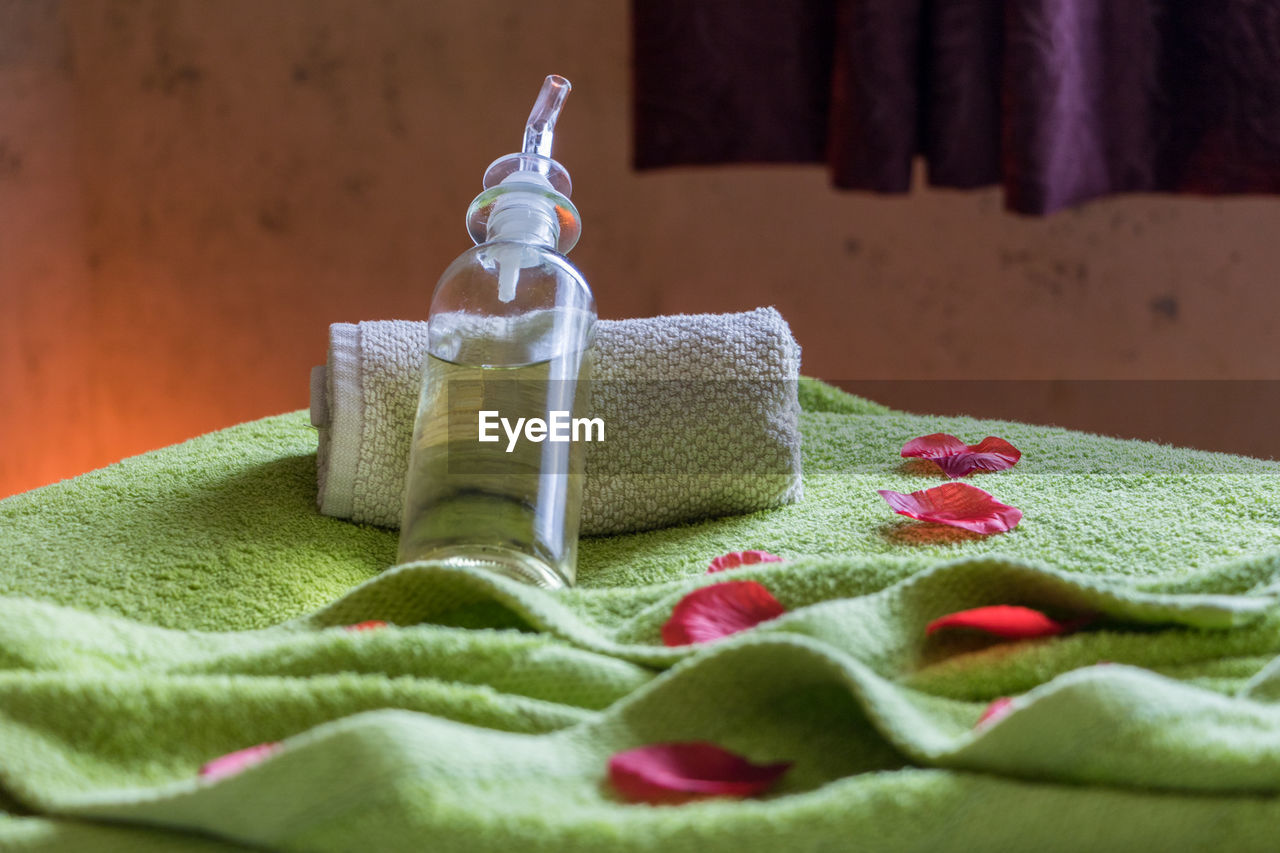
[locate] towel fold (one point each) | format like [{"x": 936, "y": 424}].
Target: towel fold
[
  {"x": 190, "y": 602},
  {"x": 700, "y": 410}
]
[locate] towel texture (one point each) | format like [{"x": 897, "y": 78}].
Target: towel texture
[
  {"x": 191, "y": 602},
  {"x": 664, "y": 386}
]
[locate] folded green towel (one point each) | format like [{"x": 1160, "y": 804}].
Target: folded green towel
[{"x": 190, "y": 602}]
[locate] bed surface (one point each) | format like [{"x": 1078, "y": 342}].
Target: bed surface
[{"x": 191, "y": 602}]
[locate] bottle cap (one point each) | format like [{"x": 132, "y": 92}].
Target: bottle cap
[{"x": 529, "y": 185}]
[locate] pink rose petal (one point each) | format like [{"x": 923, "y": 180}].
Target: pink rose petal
[
  {"x": 933, "y": 446},
  {"x": 1004, "y": 620},
  {"x": 991, "y": 454},
  {"x": 956, "y": 504},
  {"x": 741, "y": 558},
  {"x": 234, "y": 762},
  {"x": 957, "y": 459},
  {"x": 719, "y": 610},
  {"x": 995, "y": 711},
  {"x": 679, "y": 772},
  {"x": 367, "y": 625}
]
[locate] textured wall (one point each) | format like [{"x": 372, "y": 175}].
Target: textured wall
[{"x": 191, "y": 191}]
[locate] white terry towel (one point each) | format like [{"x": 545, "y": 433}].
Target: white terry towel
[{"x": 700, "y": 411}]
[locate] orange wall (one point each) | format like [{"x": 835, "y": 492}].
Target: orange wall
[{"x": 192, "y": 190}]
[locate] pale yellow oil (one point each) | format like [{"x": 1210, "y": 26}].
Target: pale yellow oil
[{"x": 471, "y": 503}]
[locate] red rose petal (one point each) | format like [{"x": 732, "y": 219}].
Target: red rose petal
[
  {"x": 1004, "y": 620},
  {"x": 933, "y": 446},
  {"x": 741, "y": 558},
  {"x": 996, "y": 710},
  {"x": 956, "y": 504},
  {"x": 957, "y": 459},
  {"x": 679, "y": 772},
  {"x": 234, "y": 762},
  {"x": 995, "y": 446},
  {"x": 990, "y": 454},
  {"x": 367, "y": 625},
  {"x": 719, "y": 610}
]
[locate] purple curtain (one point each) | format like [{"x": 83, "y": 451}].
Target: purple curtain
[{"x": 1059, "y": 101}]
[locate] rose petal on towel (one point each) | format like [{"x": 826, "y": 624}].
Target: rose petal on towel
[
  {"x": 990, "y": 454},
  {"x": 233, "y": 762},
  {"x": 1008, "y": 621},
  {"x": 367, "y": 625},
  {"x": 741, "y": 558},
  {"x": 719, "y": 610},
  {"x": 957, "y": 459},
  {"x": 689, "y": 770},
  {"x": 933, "y": 446},
  {"x": 997, "y": 709},
  {"x": 956, "y": 504}
]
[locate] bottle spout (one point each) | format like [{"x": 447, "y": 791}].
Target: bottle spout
[
  {"x": 540, "y": 129},
  {"x": 526, "y": 197},
  {"x": 533, "y": 161}
]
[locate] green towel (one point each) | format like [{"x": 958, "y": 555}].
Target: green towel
[{"x": 191, "y": 602}]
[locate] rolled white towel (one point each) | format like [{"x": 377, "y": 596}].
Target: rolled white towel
[{"x": 700, "y": 409}]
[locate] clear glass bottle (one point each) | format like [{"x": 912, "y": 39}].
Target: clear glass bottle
[{"x": 510, "y": 335}]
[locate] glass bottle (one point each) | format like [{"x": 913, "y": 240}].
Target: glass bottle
[{"x": 509, "y": 337}]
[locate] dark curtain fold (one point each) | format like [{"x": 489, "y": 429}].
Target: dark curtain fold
[{"x": 1058, "y": 101}]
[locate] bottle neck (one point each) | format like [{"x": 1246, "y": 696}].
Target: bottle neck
[
  {"x": 525, "y": 208},
  {"x": 523, "y": 222}
]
